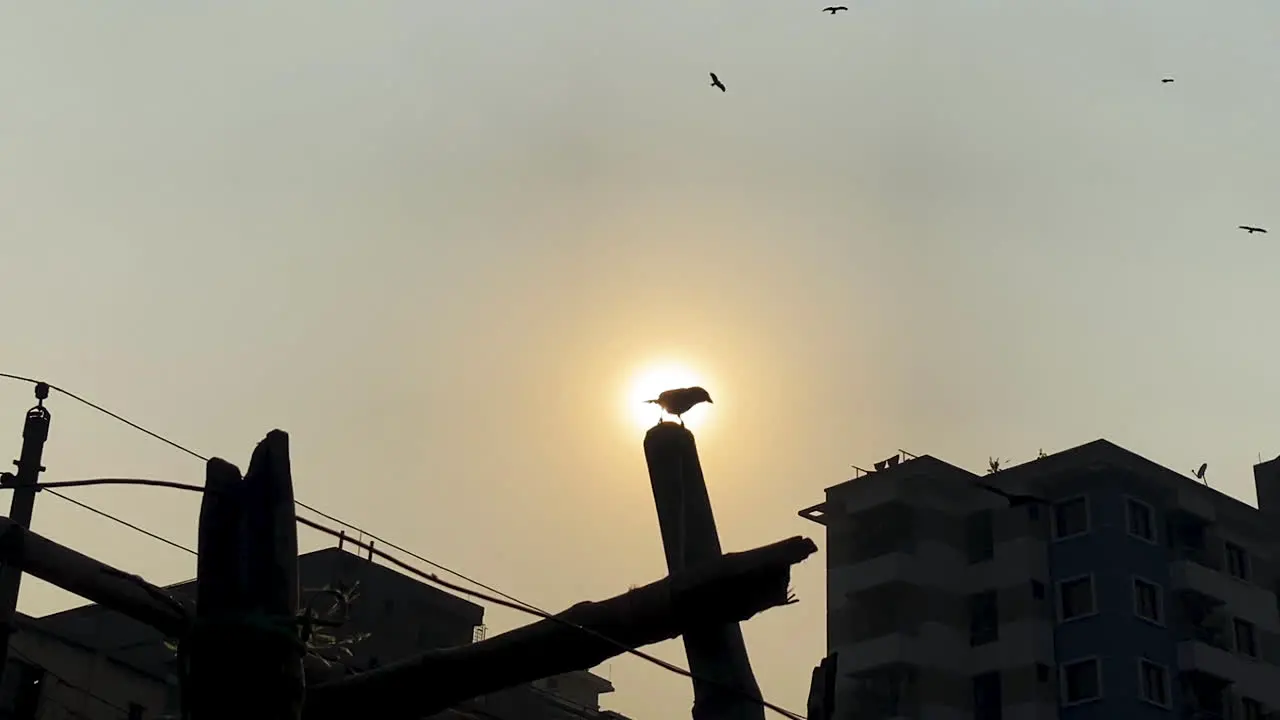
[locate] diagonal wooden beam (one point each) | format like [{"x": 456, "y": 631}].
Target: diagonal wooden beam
[
  {"x": 95, "y": 581},
  {"x": 731, "y": 588}
]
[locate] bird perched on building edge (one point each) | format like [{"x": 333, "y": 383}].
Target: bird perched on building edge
[{"x": 679, "y": 401}]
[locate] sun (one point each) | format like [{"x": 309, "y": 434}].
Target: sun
[{"x": 652, "y": 379}]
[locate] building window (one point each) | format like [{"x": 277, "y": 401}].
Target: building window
[
  {"x": 30, "y": 689},
  {"x": 1141, "y": 519},
  {"x": 1042, "y": 673},
  {"x": 987, "y": 701},
  {"x": 1148, "y": 601},
  {"x": 1237, "y": 561},
  {"x": 1246, "y": 637},
  {"x": 1070, "y": 518},
  {"x": 1081, "y": 681},
  {"x": 1251, "y": 709},
  {"x": 1076, "y": 598},
  {"x": 981, "y": 537},
  {"x": 1037, "y": 589},
  {"x": 1153, "y": 683},
  {"x": 984, "y": 618}
]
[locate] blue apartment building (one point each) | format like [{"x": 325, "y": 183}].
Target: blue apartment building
[{"x": 1115, "y": 588}]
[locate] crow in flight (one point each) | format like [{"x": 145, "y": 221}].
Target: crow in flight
[
  {"x": 1251, "y": 230},
  {"x": 1167, "y": 80},
  {"x": 679, "y": 401},
  {"x": 834, "y": 10},
  {"x": 715, "y": 82},
  {"x": 1014, "y": 499}
]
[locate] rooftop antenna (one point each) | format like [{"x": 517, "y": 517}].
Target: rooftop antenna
[{"x": 1200, "y": 473}]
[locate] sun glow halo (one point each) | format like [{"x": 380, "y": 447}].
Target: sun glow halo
[{"x": 653, "y": 379}]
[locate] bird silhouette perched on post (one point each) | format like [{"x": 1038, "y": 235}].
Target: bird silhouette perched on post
[{"x": 681, "y": 400}]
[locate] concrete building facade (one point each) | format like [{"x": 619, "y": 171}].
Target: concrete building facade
[
  {"x": 91, "y": 663},
  {"x": 1135, "y": 592}
]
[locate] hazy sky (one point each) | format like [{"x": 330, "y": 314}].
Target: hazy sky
[{"x": 435, "y": 241}]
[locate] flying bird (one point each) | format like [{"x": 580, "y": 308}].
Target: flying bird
[
  {"x": 1251, "y": 230},
  {"x": 1167, "y": 80},
  {"x": 679, "y": 401},
  {"x": 835, "y": 9},
  {"x": 715, "y": 82},
  {"x": 1014, "y": 499}
]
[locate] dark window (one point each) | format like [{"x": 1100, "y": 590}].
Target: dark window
[
  {"x": 1075, "y": 597},
  {"x": 984, "y": 618},
  {"x": 26, "y": 698},
  {"x": 987, "y": 701},
  {"x": 1042, "y": 673},
  {"x": 1246, "y": 638},
  {"x": 1251, "y": 709},
  {"x": 1147, "y": 601},
  {"x": 135, "y": 711},
  {"x": 1080, "y": 681},
  {"x": 1142, "y": 520},
  {"x": 1037, "y": 589},
  {"x": 1237, "y": 561},
  {"x": 1155, "y": 683},
  {"x": 981, "y": 537},
  {"x": 1070, "y": 518}
]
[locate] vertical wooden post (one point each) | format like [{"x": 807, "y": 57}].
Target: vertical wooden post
[
  {"x": 35, "y": 431},
  {"x": 822, "y": 690},
  {"x": 243, "y": 657},
  {"x": 717, "y": 655}
]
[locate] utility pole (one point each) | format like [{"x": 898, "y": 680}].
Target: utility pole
[
  {"x": 717, "y": 653},
  {"x": 35, "y": 430}
]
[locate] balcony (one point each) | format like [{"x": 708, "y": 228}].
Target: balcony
[
  {"x": 1210, "y": 667},
  {"x": 1205, "y": 661},
  {"x": 1194, "y": 577}
]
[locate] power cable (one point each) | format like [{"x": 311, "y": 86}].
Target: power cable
[
  {"x": 123, "y": 522},
  {"x": 498, "y": 597}
]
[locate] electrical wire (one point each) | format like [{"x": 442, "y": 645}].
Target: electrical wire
[
  {"x": 123, "y": 522},
  {"x": 498, "y": 597}
]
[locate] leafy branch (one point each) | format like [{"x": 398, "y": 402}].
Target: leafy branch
[{"x": 321, "y": 641}]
